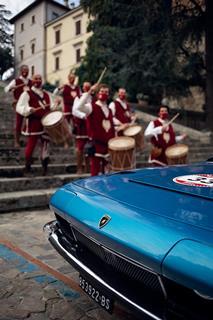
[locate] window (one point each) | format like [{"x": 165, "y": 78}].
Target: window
[
  {"x": 22, "y": 27},
  {"x": 57, "y": 63},
  {"x": 57, "y": 36},
  {"x": 78, "y": 27},
  {"x": 33, "y": 48},
  {"x": 22, "y": 54},
  {"x": 32, "y": 70},
  {"x": 32, "y": 19},
  {"x": 78, "y": 55}
]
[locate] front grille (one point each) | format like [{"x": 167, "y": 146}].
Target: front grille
[
  {"x": 114, "y": 261},
  {"x": 119, "y": 263}
]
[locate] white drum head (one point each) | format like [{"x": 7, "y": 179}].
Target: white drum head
[
  {"x": 51, "y": 118},
  {"x": 177, "y": 150},
  {"x": 121, "y": 143},
  {"x": 132, "y": 131}
]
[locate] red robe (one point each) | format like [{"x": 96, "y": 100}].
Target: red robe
[
  {"x": 18, "y": 91},
  {"x": 80, "y": 127},
  {"x": 100, "y": 128},
  {"x": 123, "y": 115},
  {"x": 68, "y": 98},
  {"x": 33, "y": 124},
  {"x": 163, "y": 141}
]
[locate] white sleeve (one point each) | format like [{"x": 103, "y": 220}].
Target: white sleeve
[
  {"x": 112, "y": 107},
  {"x": 53, "y": 105},
  {"x": 22, "y": 106},
  {"x": 77, "y": 113},
  {"x": 11, "y": 85},
  {"x": 57, "y": 91},
  {"x": 84, "y": 104},
  {"x": 178, "y": 138},
  {"x": 152, "y": 131},
  {"x": 116, "y": 122}
]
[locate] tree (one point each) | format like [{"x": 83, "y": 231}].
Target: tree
[
  {"x": 6, "y": 40},
  {"x": 6, "y": 60},
  {"x": 146, "y": 45},
  {"x": 209, "y": 64}
]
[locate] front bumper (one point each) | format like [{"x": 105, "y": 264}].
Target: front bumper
[{"x": 70, "y": 252}]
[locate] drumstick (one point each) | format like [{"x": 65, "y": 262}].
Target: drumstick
[
  {"x": 101, "y": 76},
  {"x": 43, "y": 107},
  {"x": 173, "y": 119}
]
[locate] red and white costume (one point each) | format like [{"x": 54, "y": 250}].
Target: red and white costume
[
  {"x": 80, "y": 125},
  {"x": 160, "y": 140},
  {"x": 121, "y": 113},
  {"x": 100, "y": 129},
  {"x": 18, "y": 86},
  {"x": 69, "y": 92},
  {"x": 35, "y": 98}
]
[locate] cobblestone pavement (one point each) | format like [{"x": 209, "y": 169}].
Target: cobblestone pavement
[{"x": 35, "y": 282}]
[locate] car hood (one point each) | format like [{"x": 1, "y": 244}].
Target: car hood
[
  {"x": 155, "y": 190},
  {"x": 152, "y": 219},
  {"x": 148, "y": 216}
]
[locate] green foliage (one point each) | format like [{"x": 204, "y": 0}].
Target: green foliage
[
  {"x": 49, "y": 87},
  {"x": 5, "y": 31},
  {"x": 147, "y": 46},
  {"x": 6, "y": 59}
]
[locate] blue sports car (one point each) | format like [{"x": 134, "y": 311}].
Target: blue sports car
[{"x": 144, "y": 237}]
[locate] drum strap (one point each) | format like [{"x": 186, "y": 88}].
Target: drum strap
[{"x": 39, "y": 98}]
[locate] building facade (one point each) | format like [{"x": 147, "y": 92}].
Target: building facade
[
  {"x": 66, "y": 42},
  {"x": 30, "y": 36}
]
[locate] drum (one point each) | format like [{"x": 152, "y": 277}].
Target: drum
[
  {"x": 136, "y": 132},
  {"x": 57, "y": 127},
  {"x": 177, "y": 154},
  {"x": 122, "y": 153}
]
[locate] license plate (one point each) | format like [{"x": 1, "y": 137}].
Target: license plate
[{"x": 102, "y": 299}]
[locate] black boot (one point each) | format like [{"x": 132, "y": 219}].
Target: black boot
[
  {"x": 28, "y": 169},
  {"x": 45, "y": 163}
]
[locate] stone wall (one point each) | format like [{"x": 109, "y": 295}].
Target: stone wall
[{"x": 193, "y": 102}]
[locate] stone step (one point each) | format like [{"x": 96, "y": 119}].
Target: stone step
[
  {"x": 53, "y": 169},
  {"x": 14, "y": 157},
  {"x": 33, "y": 183},
  {"x": 60, "y": 149},
  {"x": 25, "y": 200},
  {"x": 11, "y": 159},
  {"x": 15, "y": 171},
  {"x": 12, "y": 178},
  {"x": 5, "y": 147},
  {"x": 56, "y": 159}
]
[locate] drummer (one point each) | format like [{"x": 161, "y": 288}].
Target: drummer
[
  {"x": 162, "y": 136},
  {"x": 122, "y": 116},
  {"x": 33, "y": 105},
  {"x": 69, "y": 91},
  {"x": 17, "y": 86},
  {"x": 100, "y": 126},
  {"x": 80, "y": 131}
]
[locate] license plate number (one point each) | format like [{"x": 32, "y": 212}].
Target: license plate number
[{"x": 104, "y": 301}]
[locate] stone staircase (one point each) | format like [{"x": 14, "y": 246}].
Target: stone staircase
[{"x": 18, "y": 192}]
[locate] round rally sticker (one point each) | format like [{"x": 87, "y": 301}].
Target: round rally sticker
[{"x": 196, "y": 180}]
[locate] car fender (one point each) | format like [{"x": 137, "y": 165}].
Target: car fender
[{"x": 190, "y": 263}]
